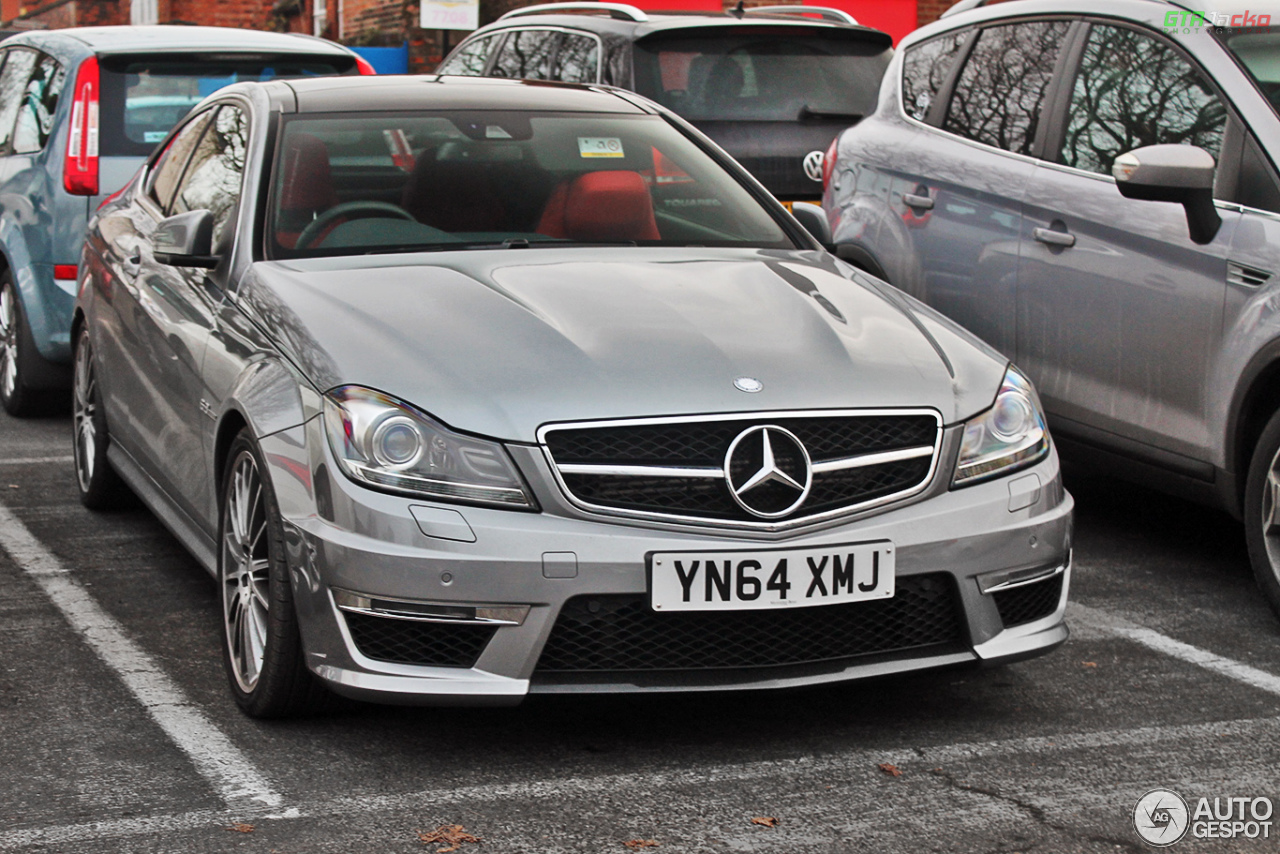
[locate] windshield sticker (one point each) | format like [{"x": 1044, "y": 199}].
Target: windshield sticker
[
  {"x": 496, "y": 132},
  {"x": 154, "y": 135},
  {"x": 600, "y": 146}
]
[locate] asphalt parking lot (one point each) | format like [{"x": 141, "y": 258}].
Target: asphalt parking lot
[{"x": 117, "y": 732}]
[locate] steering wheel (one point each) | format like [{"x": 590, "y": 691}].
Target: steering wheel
[{"x": 348, "y": 210}]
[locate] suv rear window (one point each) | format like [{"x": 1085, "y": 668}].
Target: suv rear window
[
  {"x": 142, "y": 99},
  {"x": 780, "y": 76}
]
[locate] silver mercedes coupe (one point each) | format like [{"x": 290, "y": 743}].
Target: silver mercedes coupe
[{"x": 468, "y": 389}]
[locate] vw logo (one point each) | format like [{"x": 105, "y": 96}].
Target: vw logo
[
  {"x": 768, "y": 471},
  {"x": 813, "y": 165}
]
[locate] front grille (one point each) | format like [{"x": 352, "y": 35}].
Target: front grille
[
  {"x": 704, "y": 444},
  {"x": 413, "y": 642},
  {"x": 1029, "y": 602},
  {"x": 620, "y": 633}
]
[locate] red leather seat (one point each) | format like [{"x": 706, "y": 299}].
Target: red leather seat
[
  {"x": 307, "y": 188},
  {"x": 601, "y": 206}
]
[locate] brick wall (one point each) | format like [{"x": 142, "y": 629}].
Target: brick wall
[
  {"x": 56, "y": 14},
  {"x": 928, "y": 11},
  {"x": 241, "y": 14}
]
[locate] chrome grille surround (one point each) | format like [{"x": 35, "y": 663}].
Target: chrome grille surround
[{"x": 705, "y": 475}]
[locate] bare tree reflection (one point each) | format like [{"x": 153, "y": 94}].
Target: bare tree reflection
[
  {"x": 1000, "y": 95},
  {"x": 1134, "y": 91}
]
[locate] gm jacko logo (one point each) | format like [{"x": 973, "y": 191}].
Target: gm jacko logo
[{"x": 1161, "y": 817}]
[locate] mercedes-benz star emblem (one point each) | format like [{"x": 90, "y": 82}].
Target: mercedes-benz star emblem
[
  {"x": 750, "y": 385},
  {"x": 768, "y": 471},
  {"x": 813, "y": 165}
]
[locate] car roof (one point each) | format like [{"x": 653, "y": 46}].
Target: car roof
[
  {"x": 662, "y": 22},
  {"x": 429, "y": 91},
  {"x": 164, "y": 38},
  {"x": 1150, "y": 12}
]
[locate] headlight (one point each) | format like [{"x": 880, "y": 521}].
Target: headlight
[
  {"x": 383, "y": 443},
  {"x": 1008, "y": 436}
]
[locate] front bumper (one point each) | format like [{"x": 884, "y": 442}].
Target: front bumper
[{"x": 400, "y": 561}]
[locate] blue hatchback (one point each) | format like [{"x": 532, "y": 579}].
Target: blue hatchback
[{"x": 80, "y": 109}]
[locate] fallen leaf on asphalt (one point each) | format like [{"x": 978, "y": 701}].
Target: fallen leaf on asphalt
[
  {"x": 890, "y": 769},
  {"x": 453, "y": 834},
  {"x": 637, "y": 844},
  {"x": 240, "y": 827},
  {"x": 765, "y": 821},
  {"x": 1089, "y": 663}
]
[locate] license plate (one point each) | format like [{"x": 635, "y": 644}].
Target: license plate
[{"x": 770, "y": 578}]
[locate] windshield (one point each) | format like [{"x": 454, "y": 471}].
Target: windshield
[
  {"x": 394, "y": 183},
  {"x": 142, "y": 99},
  {"x": 1259, "y": 52},
  {"x": 780, "y": 78}
]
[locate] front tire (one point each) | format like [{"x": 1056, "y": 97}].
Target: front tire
[
  {"x": 1262, "y": 512},
  {"x": 261, "y": 643},
  {"x": 100, "y": 486}
]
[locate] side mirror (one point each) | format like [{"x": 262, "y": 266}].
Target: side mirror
[
  {"x": 186, "y": 240},
  {"x": 1172, "y": 173},
  {"x": 814, "y": 220}
]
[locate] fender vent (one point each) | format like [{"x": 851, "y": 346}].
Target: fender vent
[{"x": 1238, "y": 274}]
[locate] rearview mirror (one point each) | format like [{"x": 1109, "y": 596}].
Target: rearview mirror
[
  {"x": 1172, "y": 173},
  {"x": 814, "y": 220},
  {"x": 186, "y": 240}
]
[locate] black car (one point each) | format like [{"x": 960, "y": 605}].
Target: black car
[{"x": 772, "y": 85}]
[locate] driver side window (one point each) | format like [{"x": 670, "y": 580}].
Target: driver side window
[
  {"x": 168, "y": 170},
  {"x": 1132, "y": 91},
  {"x": 212, "y": 181}
]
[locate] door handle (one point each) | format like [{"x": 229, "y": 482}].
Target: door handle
[
  {"x": 1054, "y": 238},
  {"x": 913, "y": 201}
]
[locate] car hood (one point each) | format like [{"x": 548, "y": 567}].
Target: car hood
[{"x": 501, "y": 342}]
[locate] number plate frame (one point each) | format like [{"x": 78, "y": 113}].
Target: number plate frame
[{"x": 814, "y": 575}]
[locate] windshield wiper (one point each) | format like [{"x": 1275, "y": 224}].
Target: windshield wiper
[{"x": 807, "y": 112}]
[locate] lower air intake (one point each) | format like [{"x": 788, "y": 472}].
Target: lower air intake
[
  {"x": 411, "y": 642},
  {"x": 621, "y": 633}
]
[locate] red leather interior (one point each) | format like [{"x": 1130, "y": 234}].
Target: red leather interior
[{"x": 605, "y": 206}]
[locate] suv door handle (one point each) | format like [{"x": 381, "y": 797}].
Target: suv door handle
[
  {"x": 1054, "y": 238},
  {"x": 914, "y": 201}
]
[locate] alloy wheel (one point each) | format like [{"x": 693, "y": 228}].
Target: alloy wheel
[
  {"x": 84, "y": 409},
  {"x": 1271, "y": 513},
  {"x": 8, "y": 342},
  {"x": 246, "y": 571}
]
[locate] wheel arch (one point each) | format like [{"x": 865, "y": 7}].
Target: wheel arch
[
  {"x": 229, "y": 426},
  {"x": 1255, "y": 401}
]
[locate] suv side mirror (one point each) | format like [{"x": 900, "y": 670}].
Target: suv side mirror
[
  {"x": 1172, "y": 173},
  {"x": 186, "y": 240},
  {"x": 814, "y": 220}
]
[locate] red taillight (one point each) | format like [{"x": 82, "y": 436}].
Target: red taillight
[
  {"x": 64, "y": 271},
  {"x": 829, "y": 163},
  {"x": 363, "y": 65},
  {"x": 80, "y": 172}
]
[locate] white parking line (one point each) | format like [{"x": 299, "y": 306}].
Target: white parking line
[
  {"x": 31, "y": 461},
  {"x": 1108, "y": 623},
  {"x": 232, "y": 775},
  {"x": 639, "y": 786}
]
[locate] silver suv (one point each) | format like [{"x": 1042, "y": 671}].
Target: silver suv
[{"x": 1091, "y": 186}]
